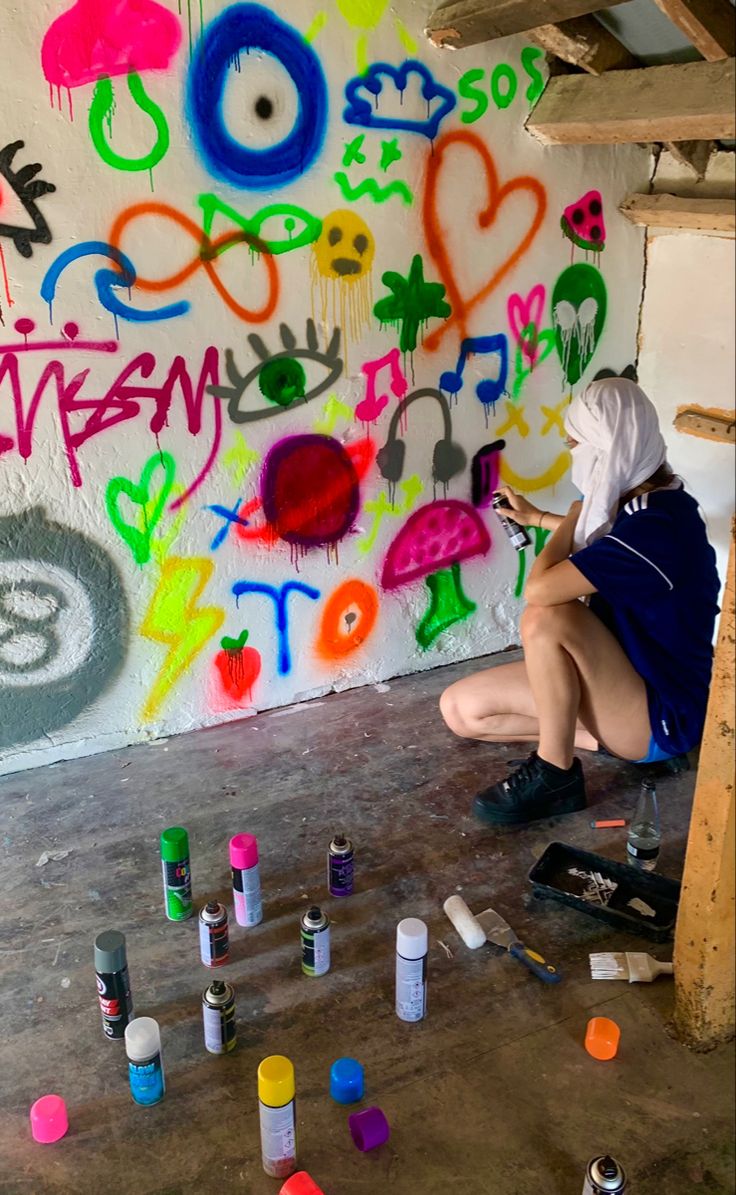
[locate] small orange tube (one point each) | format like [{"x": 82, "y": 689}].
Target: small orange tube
[
  {"x": 618, "y": 821},
  {"x": 601, "y": 1038}
]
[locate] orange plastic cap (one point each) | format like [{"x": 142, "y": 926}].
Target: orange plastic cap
[{"x": 601, "y": 1038}]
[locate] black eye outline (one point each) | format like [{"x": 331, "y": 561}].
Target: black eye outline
[
  {"x": 28, "y": 189},
  {"x": 239, "y": 383}
]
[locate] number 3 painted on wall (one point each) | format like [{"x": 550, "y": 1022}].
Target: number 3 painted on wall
[{"x": 245, "y": 27}]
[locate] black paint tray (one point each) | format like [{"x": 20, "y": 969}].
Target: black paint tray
[{"x": 605, "y": 889}]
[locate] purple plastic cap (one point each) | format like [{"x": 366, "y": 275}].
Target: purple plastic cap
[
  {"x": 243, "y": 852},
  {"x": 369, "y": 1129},
  {"x": 49, "y": 1120}
]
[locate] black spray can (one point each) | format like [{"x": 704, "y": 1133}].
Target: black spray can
[
  {"x": 214, "y": 940},
  {"x": 340, "y": 866},
  {"x": 604, "y": 1176},
  {"x": 113, "y": 983},
  {"x": 218, "y": 1014},
  {"x": 315, "y": 926},
  {"x": 516, "y": 533}
]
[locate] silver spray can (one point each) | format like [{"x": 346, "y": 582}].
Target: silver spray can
[
  {"x": 516, "y": 533},
  {"x": 315, "y": 927},
  {"x": 604, "y": 1176},
  {"x": 218, "y": 1014},
  {"x": 214, "y": 940}
]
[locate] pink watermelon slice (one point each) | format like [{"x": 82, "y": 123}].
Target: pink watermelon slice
[
  {"x": 582, "y": 222},
  {"x": 435, "y": 537}
]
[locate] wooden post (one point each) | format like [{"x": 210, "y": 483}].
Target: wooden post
[{"x": 704, "y": 937}]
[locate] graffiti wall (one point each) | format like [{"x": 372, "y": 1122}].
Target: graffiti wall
[{"x": 283, "y": 293}]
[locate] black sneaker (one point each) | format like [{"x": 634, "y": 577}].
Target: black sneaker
[{"x": 537, "y": 789}]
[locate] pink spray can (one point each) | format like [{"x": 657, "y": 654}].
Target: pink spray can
[{"x": 246, "y": 879}]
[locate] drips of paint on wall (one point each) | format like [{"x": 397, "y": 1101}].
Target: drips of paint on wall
[{"x": 349, "y": 251}]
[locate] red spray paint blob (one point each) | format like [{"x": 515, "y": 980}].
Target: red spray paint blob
[{"x": 310, "y": 490}]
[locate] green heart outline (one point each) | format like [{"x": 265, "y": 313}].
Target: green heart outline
[
  {"x": 547, "y": 343},
  {"x": 139, "y": 541}
]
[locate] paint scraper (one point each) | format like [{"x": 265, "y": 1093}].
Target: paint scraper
[{"x": 489, "y": 926}]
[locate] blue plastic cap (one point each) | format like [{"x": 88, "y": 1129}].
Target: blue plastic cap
[{"x": 346, "y": 1081}]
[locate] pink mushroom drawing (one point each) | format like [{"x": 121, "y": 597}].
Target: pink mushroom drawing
[{"x": 432, "y": 544}]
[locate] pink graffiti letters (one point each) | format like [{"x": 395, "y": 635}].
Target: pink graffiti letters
[
  {"x": 525, "y": 320},
  {"x": 83, "y": 415}
]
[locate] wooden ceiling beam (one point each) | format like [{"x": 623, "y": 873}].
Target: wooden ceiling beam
[
  {"x": 678, "y": 213},
  {"x": 584, "y": 43},
  {"x": 709, "y": 24},
  {"x": 459, "y": 23},
  {"x": 688, "y": 101}
]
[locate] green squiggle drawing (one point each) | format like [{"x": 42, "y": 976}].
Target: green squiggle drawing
[
  {"x": 100, "y": 113},
  {"x": 370, "y": 187}
]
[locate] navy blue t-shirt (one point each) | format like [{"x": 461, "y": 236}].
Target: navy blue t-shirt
[{"x": 657, "y": 588}]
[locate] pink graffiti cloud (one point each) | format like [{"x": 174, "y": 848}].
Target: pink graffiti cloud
[
  {"x": 522, "y": 313},
  {"x": 108, "y": 37}
]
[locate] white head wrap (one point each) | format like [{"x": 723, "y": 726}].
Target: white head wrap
[{"x": 619, "y": 447}]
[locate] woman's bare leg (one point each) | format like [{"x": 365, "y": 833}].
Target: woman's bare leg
[
  {"x": 497, "y": 706},
  {"x": 578, "y": 670}
]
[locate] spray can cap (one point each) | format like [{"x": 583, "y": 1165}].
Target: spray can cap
[
  {"x": 276, "y": 1084},
  {"x": 174, "y": 844},
  {"x": 142, "y": 1039},
  {"x": 607, "y": 1174},
  {"x": 110, "y": 953},
  {"x": 49, "y": 1120},
  {"x": 300, "y": 1184},
  {"x": 412, "y": 938},
  {"x": 243, "y": 851}
]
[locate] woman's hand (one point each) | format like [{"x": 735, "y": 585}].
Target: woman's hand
[
  {"x": 574, "y": 511},
  {"x": 528, "y": 514}
]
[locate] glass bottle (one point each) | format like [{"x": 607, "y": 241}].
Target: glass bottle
[{"x": 645, "y": 836}]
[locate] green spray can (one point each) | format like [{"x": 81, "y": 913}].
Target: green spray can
[{"x": 177, "y": 874}]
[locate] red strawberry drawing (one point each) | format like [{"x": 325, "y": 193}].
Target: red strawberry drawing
[{"x": 238, "y": 668}]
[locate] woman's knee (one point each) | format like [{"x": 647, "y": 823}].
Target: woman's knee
[
  {"x": 548, "y": 620},
  {"x": 455, "y": 712}
]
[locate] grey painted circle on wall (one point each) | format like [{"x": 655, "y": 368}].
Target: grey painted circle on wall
[{"x": 64, "y": 625}]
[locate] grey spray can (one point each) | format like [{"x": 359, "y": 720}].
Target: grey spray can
[
  {"x": 315, "y": 932},
  {"x": 604, "y": 1176}
]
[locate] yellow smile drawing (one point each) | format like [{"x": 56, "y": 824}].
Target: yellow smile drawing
[{"x": 527, "y": 485}]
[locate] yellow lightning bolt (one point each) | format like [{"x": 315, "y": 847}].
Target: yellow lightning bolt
[{"x": 174, "y": 618}]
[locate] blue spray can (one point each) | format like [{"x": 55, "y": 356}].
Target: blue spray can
[{"x": 145, "y": 1066}]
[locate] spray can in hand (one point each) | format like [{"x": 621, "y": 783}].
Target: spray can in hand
[
  {"x": 113, "y": 984},
  {"x": 516, "y": 533},
  {"x": 277, "y": 1111},
  {"x": 604, "y": 1176},
  {"x": 412, "y": 944}
]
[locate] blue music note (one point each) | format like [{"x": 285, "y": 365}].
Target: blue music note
[{"x": 488, "y": 390}]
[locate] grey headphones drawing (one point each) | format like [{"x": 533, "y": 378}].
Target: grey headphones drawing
[{"x": 448, "y": 457}]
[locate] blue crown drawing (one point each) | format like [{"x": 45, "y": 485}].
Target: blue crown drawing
[{"x": 363, "y": 92}]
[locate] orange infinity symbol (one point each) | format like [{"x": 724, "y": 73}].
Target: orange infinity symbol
[
  {"x": 208, "y": 251},
  {"x": 497, "y": 195}
]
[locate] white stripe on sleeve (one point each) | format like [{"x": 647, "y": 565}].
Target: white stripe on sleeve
[{"x": 641, "y": 557}]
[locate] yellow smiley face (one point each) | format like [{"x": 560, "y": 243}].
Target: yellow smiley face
[
  {"x": 345, "y": 248},
  {"x": 516, "y": 421}
]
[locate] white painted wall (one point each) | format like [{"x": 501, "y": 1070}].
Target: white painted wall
[
  {"x": 687, "y": 357},
  {"x": 96, "y": 695}
]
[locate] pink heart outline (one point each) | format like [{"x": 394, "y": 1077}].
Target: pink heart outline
[{"x": 525, "y": 312}]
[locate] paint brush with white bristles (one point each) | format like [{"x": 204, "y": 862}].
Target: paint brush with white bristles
[{"x": 637, "y": 968}]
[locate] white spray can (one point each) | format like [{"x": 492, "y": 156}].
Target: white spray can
[
  {"x": 412, "y": 944},
  {"x": 604, "y": 1176},
  {"x": 277, "y": 1112}
]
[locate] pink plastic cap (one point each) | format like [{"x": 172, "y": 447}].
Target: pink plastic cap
[
  {"x": 243, "y": 851},
  {"x": 49, "y": 1121},
  {"x": 300, "y": 1184},
  {"x": 368, "y": 1129}
]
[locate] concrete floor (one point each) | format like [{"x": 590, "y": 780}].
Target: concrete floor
[{"x": 493, "y": 1093}]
